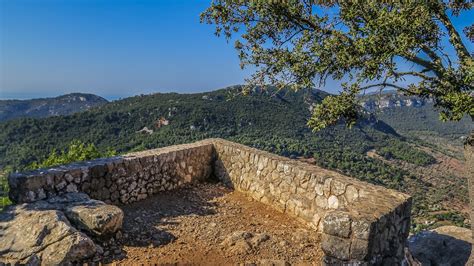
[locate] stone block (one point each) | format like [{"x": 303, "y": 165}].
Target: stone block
[
  {"x": 359, "y": 249},
  {"x": 351, "y": 194},
  {"x": 336, "y": 247},
  {"x": 319, "y": 189},
  {"x": 338, "y": 187},
  {"x": 337, "y": 223},
  {"x": 327, "y": 187},
  {"x": 321, "y": 202},
  {"x": 361, "y": 228},
  {"x": 98, "y": 170},
  {"x": 333, "y": 202}
]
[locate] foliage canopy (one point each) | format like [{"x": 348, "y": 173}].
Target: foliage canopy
[{"x": 373, "y": 44}]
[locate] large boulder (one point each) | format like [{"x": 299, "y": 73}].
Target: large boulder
[
  {"x": 30, "y": 235},
  {"x": 445, "y": 245},
  {"x": 98, "y": 219},
  {"x": 49, "y": 232},
  {"x": 91, "y": 216}
]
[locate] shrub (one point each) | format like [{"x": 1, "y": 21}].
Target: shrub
[
  {"x": 4, "y": 188},
  {"x": 76, "y": 152}
]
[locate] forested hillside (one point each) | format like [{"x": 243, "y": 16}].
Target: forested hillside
[
  {"x": 415, "y": 117},
  {"x": 275, "y": 122}
]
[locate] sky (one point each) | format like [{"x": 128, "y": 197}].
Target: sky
[{"x": 114, "y": 48}]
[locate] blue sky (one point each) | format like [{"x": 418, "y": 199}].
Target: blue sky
[{"x": 113, "y": 48}]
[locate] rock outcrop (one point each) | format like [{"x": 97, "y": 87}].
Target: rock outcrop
[
  {"x": 391, "y": 100},
  {"x": 54, "y": 231},
  {"x": 445, "y": 245}
]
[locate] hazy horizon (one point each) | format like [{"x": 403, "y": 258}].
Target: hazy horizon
[
  {"x": 116, "y": 49},
  {"x": 109, "y": 97}
]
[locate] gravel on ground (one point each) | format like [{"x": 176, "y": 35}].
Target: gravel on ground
[{"x": 208, "y": 224}]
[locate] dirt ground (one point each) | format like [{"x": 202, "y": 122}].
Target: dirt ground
[{"x": 208, "y": 224}]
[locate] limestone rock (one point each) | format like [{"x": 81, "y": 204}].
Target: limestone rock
[
  {"x": 92, "y": 216},
  {"x": 337, "y": 223},
  {"x": 72, "y": 248},
  {"x": 241, "y": 242},
  {"x": 41, "y": 232},
  {"x": 445, "y": 245},
  {"x": 258, "y": 239},
  {"x": 240, "y": 247},
  {"x": 99, "y": 219},
  {"x": 33, "y": 235},
  {"x": 235, "y": 237},
  {"x": 335, "y": 246}
]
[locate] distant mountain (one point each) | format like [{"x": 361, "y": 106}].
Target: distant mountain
[
  {"x": 391, "y": 99},
  {"x": 414, "y": 116},
  {"x": 44, "y": 107}
]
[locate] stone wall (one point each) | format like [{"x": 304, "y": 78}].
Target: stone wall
[
  {"x": 360, "y": 223},
  {"x": 121, "y": 179}
]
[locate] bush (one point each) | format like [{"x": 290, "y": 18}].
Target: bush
[
  {"x": 76, "y": 152},
  {"x": 4, "y": 188}
]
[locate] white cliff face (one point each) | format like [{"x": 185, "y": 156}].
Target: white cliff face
[{"x": 392, "y": 101}]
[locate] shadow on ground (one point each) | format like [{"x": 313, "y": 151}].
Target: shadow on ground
[{"x": 142, "y": 220}]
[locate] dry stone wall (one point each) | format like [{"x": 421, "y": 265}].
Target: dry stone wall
[
  {"x": 361, "y": 224},
  {"x": 121, "y": 179}
]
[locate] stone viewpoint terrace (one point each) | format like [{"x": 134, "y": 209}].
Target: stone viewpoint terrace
[{"x": 358, "y": 223}]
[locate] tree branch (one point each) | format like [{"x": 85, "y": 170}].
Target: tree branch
[
  {"x": 424, "y": 63},
  {"x": 454, "y": 38},
  {"x": 436, "y": 59},
  {"x": 413, "y": 73},
  {"x": 383, "y": 84},
  {"x": 291, "y": 37}
]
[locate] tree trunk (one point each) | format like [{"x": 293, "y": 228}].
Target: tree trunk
[{"x": 469, "y": 155}]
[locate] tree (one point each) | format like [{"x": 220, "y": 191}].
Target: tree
[
  {"x": 76, "y": 152},
  {"x": 410, "y": 46},
  {"x": 372, "y": 44}
]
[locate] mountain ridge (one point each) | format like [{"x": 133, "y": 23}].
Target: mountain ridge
[{"x": 52, "y": 106}]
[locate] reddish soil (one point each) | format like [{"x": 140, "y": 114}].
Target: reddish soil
[
  {"x": 208, "y": 224},
  {"x": 445, "y": 179}
]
